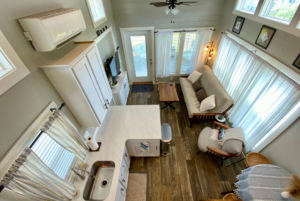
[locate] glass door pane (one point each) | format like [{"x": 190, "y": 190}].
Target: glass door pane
[
  {"x": 188, "y": 50},
  {"x": 139, "y": 53},
  {"x": 174, "y": 52}
]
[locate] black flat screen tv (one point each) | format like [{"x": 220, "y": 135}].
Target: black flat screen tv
[{"x": 114, "y": 67}]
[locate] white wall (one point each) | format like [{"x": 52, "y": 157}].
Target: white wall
[
  {"x": 20, "y": 105},
  {"x": 284, "y": 150},
  {"x": 136, "y": 13}
]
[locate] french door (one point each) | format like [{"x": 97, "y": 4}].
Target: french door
[{"x": 137, "y": 45}]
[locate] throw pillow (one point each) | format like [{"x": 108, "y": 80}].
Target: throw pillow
[
  {"x": 194, "y": 76},
  {"x": 201, "y": 95},
  {"x": 232, "y": 146},
  {"x": 197, "y": 85},
  {"x": 208, "y": 103}
]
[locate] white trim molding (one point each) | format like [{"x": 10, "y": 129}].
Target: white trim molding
[{"x": 12, "y": 67}]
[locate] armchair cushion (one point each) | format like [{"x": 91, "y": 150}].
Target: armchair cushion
[
  {"x": 233, "y": 146},
  {"x": 205, "y": 140}
]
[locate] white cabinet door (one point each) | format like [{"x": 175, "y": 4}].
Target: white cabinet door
[
  {"x": 126, "y": 157},
  {"x": 86, "y": 79},
  {"x": 127, "y": 89},
  {"x": 99, "y": 73},
  {"x": 122, "y": 95},
  {"x": 121, "y": 193},
  {"x": 124, "y": 173}
]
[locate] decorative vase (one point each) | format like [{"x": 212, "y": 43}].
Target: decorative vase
[{"x": 285, "y": 194}]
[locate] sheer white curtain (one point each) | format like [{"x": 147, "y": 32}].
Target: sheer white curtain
[
  {"x": 60, "y": 129},
  {"x": 30, "y": 177},
  {"x": 262, "y": 94},
  {"x": 199, "y": 55},
  {"x": 163, "y": 53}
]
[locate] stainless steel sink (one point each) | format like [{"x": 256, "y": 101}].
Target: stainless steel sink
[{"x": 98, "y": 188}]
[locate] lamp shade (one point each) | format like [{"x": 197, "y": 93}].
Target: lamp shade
[
  {"x": 175, "y": 11},
  {"x": 167, "y": 10}
]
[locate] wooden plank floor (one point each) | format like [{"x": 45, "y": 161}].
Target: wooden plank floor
[{"x": 183, "y": 175}]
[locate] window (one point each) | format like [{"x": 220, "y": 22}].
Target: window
[
  {"x": 174, "y": 52},
  {"x": 188, "y": 52},
  {"x": 281, "y": 11},
  {"x": 182, "y": 53},
  {"x": 53, "y": 155},
  {"x": 12, "y": 69},
  {"x": 248, "y": 6},
  {"x": 97, "y": 12}
]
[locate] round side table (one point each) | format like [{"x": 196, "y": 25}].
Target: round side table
[
  {"x": 230, "y": 196},
  {"x": 253, "y": 159}
]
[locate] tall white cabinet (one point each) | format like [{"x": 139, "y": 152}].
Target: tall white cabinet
[
  {"x": 80, "y": 79},
  {"x": 121, "y": 92}
]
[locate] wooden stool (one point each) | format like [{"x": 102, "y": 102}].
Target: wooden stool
[
  {"x": 230, "y": 196},
  {"x": 253, "y": 159}
]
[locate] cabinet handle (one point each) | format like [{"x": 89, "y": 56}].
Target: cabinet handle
[
  {"x": 122, "y": 189},
  {"x": 123, "y": 180},
  {"x": 106, "y": 106},
  {"x": 107, "y": 101},
  {"x": 125, "y": 154}
]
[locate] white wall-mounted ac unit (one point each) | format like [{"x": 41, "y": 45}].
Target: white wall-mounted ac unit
[{"x": 53, "y": 29}]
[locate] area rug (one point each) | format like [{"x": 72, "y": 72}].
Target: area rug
[
  {"x": 138, "y": 186},
  {"x": 142, "y": 88}
]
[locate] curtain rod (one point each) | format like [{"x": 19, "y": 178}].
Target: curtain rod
[
  {"x": 188, "y": 30},
  {"x": 52, "y": 109}
]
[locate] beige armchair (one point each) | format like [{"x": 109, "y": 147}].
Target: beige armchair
[{"x": 207, "y": 145}]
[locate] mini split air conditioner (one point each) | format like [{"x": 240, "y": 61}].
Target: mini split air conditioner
[{"x": 53, "y": 29}]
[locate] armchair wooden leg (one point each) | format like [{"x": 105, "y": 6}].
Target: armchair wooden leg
[
  {"x": 198, "y": 152},
  {"x": 221, "y": 161},
  {"x": 191, "y": 123}
]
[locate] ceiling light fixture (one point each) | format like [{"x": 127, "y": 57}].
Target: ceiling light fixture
[{"x": 175, "y": 11}]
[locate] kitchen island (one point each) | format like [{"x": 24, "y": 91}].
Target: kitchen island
[{"x": 125, "y": 126}]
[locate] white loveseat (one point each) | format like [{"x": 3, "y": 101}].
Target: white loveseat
[{"x": 211, "y": 85}]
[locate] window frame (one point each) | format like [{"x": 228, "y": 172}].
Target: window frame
[
  {"x": 265, "y": 10},
  {"x": 240, "y": 4},
  {"x": 180, "y": 56},
  {"x": 293, "y": 27},
  {"x": 96, "y": 22},
  {"x": 13, "y": 68}
]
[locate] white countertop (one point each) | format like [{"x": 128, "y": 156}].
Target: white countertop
[{"x": 122, "y": 123}]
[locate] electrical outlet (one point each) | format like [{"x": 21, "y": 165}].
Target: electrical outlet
[{"x": 171, "y": 78}]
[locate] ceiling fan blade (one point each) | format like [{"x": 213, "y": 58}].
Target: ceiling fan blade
[
  {"x": 186, "y": 2},
  {"x": 159, "y": 4}
]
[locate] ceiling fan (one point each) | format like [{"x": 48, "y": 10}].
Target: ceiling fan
[{"x": 171, "y": 5}]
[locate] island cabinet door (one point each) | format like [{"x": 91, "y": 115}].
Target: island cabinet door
[
  {"x": 99, "y": 74},
  {"x": 121, "y": 193},
  {"x": 85, "y": 77}
]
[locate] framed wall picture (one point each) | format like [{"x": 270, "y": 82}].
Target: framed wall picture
[
  {"x": 265, "y": 36},
  {"x": 297, "y": 62},
  {"x": 238, "y": 24}
]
